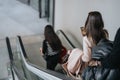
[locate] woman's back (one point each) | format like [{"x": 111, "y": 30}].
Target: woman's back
[
  {"x": 52, "y": 38},
  {"x": 51, "y": 47}
]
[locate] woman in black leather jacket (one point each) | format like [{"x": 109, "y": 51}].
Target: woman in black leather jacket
[
  {"x": 113, "y": 60},
  {"x": 108, "y": 54}
]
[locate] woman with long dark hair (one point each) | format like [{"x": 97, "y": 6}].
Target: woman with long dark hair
[
  {"x": 93, "y": 32},
  {"x": 51, "y": 47},
  {"x": 94, "y": 27},
  {"x": 99, "y": 67}
]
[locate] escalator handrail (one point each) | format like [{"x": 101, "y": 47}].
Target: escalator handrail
[
  {"x": 9, "y": 49},
  {"x": 22, "y": 46},
  {"x": 10, "y": 56},
  {"x": 65, "y": 37}
]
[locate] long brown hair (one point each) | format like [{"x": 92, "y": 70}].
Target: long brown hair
[
  {"x": 52, "y": 38},
  {"x": 94, "y": 27}
]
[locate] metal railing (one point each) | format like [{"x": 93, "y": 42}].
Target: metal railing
[
  {"x": 19, "y": 62},
  {"x": 31, "y": 71}
]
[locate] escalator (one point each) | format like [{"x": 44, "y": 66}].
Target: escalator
[
  {"x": 23, "y": 69},
  {"x": 25, "y": 61},
  {"x": 32, "y": 46}
]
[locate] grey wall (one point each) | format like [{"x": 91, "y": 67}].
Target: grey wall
[
  {"x": 70, "y": 15},
  {"x": 34, "y": 4}
]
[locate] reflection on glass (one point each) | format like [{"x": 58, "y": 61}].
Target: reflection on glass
[
  {"x": 44, "y": 7},
  {"x": 46, "y": 10}
]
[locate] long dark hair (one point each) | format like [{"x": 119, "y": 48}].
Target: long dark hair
[
  {"x": 52, "y": 38},
  {"x": 94, "y": 27}
]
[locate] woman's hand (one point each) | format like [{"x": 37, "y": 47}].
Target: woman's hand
[
  {"x": 41, "y": 52},
  {"x": 94, "y": 63}
]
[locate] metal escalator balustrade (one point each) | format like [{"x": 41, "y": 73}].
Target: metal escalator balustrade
[
  {"x": 10, "y": 68},
  {"x": 31, "y": 45},
  {"x": 69, "y": 40},
  {"x": 65, "y": 40},
  {"x": 23, "y": 67},
  {"x": 40, "y": 74},
  {"x": 18, "y": 62}
]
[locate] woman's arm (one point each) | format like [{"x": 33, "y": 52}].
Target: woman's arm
[
  {"x": 44, "y": 48},
  {"x": 41, "y": 51},
  {"x": 86, "y": 50}
]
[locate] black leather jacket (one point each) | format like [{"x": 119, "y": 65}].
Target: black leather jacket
[{"x": 101, "y": 52}]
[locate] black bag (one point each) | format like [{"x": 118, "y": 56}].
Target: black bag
[{"x": 100, "y": 73}]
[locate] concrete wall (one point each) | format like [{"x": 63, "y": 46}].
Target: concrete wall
[{"x": 70, "y": 15}]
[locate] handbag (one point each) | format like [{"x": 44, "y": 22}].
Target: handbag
[
  {"x": 63, "y": 55},
  {"x": 74, "y": 65}
]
